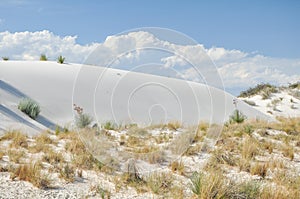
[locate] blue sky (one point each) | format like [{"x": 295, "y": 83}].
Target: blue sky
[
  {"x": 271, "y": 28},
  {"x": 250, "y": 42}
]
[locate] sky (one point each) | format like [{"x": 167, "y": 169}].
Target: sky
[{"x": 250, "y": 41}]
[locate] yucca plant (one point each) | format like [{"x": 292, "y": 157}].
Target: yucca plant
[
  {"x": 61, "y": 59},
  {"x": 29, "y": 107},
  {"x": 43, "y": 57},
  {"x": 237, "y": 117}
]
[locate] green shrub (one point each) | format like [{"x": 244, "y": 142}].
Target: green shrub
[
  {"x": 82, "y": 120},
  {"x": 251, "y": 103},
  {"x": 29, "y": 107},
  {"x": 237, "y": 117},
  {"x": 43, "y": 57},
  {"x": 61, "y": 59},
  {"x": 110, "y": 126},
  {"x": 5, "y": 58}
]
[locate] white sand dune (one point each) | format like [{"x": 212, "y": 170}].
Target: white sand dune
[{"x": 107, "y": 95}]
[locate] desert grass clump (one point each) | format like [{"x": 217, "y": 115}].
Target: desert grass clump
[
  {"x": 209, "y": 185},
  {"x": 259, "y": 169},
  {"x": 16, "y": 155},
  {"x": 250, "y": 148},
  {"x": 178, "y": 167},
  {"x": 29, "y": 107},
  {"x": 159, "y": 182},
  {"x": 33, "y": 174},
  {"x": 53, "y": 157},
  {"x": 288, "y": 151},
  {"x": 17, "y": 138},
  {"x": 277, "y": 192},
  {"x": 61, "y": 59},
  {"x": 246, "y": 190},
  {"x": 67, "y": 173},
  {"x": 222, "y": 157},
  {"x": 43, "y": 57},
  {"x": 268, "y": 145},
  {"x": 43, "y": 138},
  {"x": 174, "y": 125}
]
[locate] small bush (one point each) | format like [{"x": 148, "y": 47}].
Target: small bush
[
  {"x": 43, "y": 57},
  {"x": 83, "y": 120},
  {"x": 251, "y": 103},
  {"x": 237, "y": 117},
  {"x": 29, "y": 107},
  {"x": 5, "y": 58},
  {"x": 61, "y": 59}
]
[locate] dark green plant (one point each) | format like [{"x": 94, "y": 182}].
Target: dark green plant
[
  {"x": 29, "y": 107},
  {"x": 237, "y": 117},
  {"x": 61, "y": 59},
  {"x": 43, "y": 57},
  {"x": 5, "y": 58}
]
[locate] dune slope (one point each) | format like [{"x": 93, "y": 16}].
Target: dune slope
[{"x": 107, "y": 95}]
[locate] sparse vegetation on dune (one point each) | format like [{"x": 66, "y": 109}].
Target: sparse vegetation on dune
[
  {"x": 253, "y": 159},
  {"x": 264, "y": 89}
]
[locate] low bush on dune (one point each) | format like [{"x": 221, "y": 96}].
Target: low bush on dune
[
  {"x": 29, "y": 107},
  {"x": 43, "y": 57},
  {"x": 61, "y": 59},
  {"x": 82, "y": 120},
  {"x": 5, "y": 58}
]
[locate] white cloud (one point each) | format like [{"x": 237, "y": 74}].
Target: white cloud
[{"x": 237, "y": 68}]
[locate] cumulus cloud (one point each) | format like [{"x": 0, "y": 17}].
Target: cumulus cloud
[
  {"x": 192, "y": 62},
  {"x": 30, "y": 45}
]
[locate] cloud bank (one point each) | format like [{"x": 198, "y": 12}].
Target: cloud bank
[{"x": 237, "y": 69}]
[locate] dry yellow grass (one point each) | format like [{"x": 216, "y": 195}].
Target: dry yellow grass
[
  {"x": 250, "y": 148},
  {"x": 33, "y": 174},
  {"x": 17, "y": 138},
  {"x": 16, "y": 155},
  {"x": 288, "y": 151},
  {"x": 259, "y": 169},
  {"x": 177, "y": 167}
]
